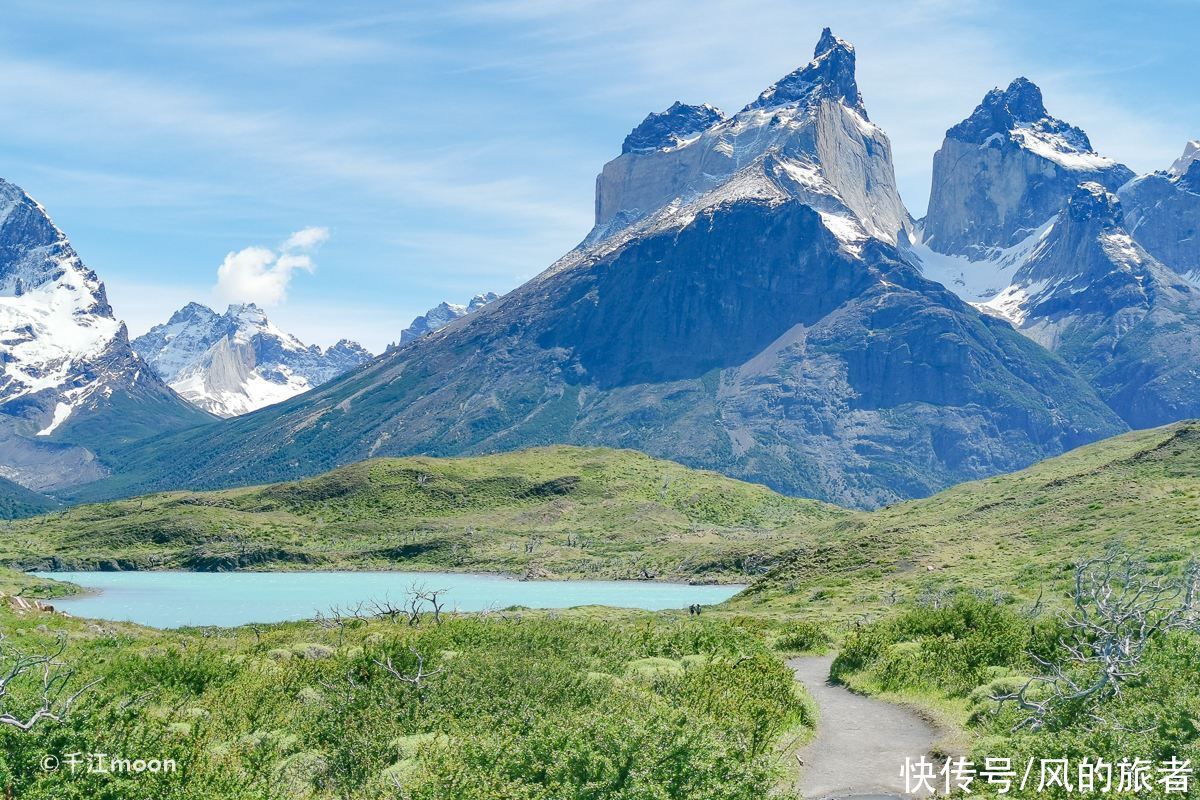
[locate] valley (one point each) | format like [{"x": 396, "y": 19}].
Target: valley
[{"x": 762, "y": 429}]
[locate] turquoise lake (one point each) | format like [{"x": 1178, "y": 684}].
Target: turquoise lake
[{"x": 173, "y": 599}]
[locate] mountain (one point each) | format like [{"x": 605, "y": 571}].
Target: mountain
[
  {"x": 740, "y": 305},
  {"x": 440, "y": 316},
  {"x": 1069, "y": 276},
  {"x": 1162, "y": 211},
  {"x": 1005, "y": 170},
  {"x": 236, "y": 362},
  {"x": 806, "y": 137},
  {"x": 71, "y": 388}
]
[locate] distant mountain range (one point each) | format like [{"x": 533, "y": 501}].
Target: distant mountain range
[
  {"x": 440, "y": 316},
  {"x": 236, "y": 362},
  {"x": 755, "y": 298}
]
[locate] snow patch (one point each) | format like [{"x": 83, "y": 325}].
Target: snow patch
[
  {"x": 987, "y": 282},
  {"x": 1060, "y": 150},
  {"x": 61, "y": 412}
]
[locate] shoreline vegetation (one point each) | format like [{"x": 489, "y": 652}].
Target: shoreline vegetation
[{"x": 958, "y": 606}]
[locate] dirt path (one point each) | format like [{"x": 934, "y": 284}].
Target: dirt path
[{"x": 860, "y": 743}]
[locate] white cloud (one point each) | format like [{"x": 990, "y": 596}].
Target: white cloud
[{"x": 260, "y": 275}]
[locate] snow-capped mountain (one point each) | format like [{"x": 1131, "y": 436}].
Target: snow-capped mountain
[
  {"x": 806, "y": 137},
  {"x": 233, "y": 363},
  {"x": 440, "y": 316},
  {"x": 741, "y": 304},
  {"x": 1162, "y": 210},
  {"x": 69, "y": 383},
  {"x": 1024, "y": 223},
  {"x": 1004, "y": 171}
]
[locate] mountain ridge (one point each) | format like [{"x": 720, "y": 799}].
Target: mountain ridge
[{"x": 233, "y": 363}]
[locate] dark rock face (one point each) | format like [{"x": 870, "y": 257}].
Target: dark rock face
[
  {"x": 748, "y": 340},
  {"x": 1007, "y": 169},
  {"x": 669, "y": 128},
  {"x": 1002, "y": 110},
  {"x": 1163, "y": 213}
]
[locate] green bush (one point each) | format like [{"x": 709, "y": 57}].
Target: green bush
[
  {"x": 804, "y": 637},
  {"x": 951, "y": 648}
]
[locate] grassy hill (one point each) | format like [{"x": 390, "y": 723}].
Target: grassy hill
[
  {"x": 556, "y": 511},
  {"x": 1016, "y": 534},
  {"x": 16, "y": 501}
]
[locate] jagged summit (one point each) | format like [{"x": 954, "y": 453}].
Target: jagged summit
[
  {"x": 829, "y": 75},
  {"x": 1004, "y": 110},
  {"x": 440, "y": 316},
  {"x": 1018, "y": 114},
  {"x": 233, "y": 363},
  {"x": 670, "y": 128},
  {"x": 1191, "y": 153},
  {"x": 806, "y": 137}
]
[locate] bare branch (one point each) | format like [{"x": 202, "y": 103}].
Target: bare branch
[
  {"x": 47, "y": 670},
  {"x": 1118, "y": 608},
  {"x": 415, "y": 679}
]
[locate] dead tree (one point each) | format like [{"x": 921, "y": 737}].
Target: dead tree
[
  {"x": 414, "y": 679},
  {"x": 337, "y": 618},
  {"x": 1118, "y": 609},
  {"x": 51, "y": 677},
  {"x": 434, "y": 598},
  {"x": 387, "y": 609}
]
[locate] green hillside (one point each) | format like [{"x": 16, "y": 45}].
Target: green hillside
[
  {"x": 547, "y": 512},
  {"x": 1017, "y": 534},
  {"x": 16, "y": 501}
]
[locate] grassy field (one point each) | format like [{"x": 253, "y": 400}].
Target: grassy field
[{"x": 547, "y": 512}]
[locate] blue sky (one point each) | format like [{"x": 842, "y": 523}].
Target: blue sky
[{"x": 451, "y": 148}]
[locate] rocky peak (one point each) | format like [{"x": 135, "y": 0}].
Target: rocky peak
[
  {"x": 440, "y": 316},
  {"x": 1003, "y": 110},
  {"x": 1190, "y": 178},
  {"x": 671, "y": 127},
  {"x": 247, "y": 313},
  {"x": 1005, "y": 171},
  {"x": 1191, "y": 154},
  {"x": 481, "y": 300},
  {"x": 1092, "y": 203},
  {"x": 806, "y": 137},
  {"x": 192, "y": 312},
  {"x": 830, "y": 75}
]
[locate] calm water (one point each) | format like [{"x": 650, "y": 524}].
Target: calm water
[{"x": 171, "y": 599}]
